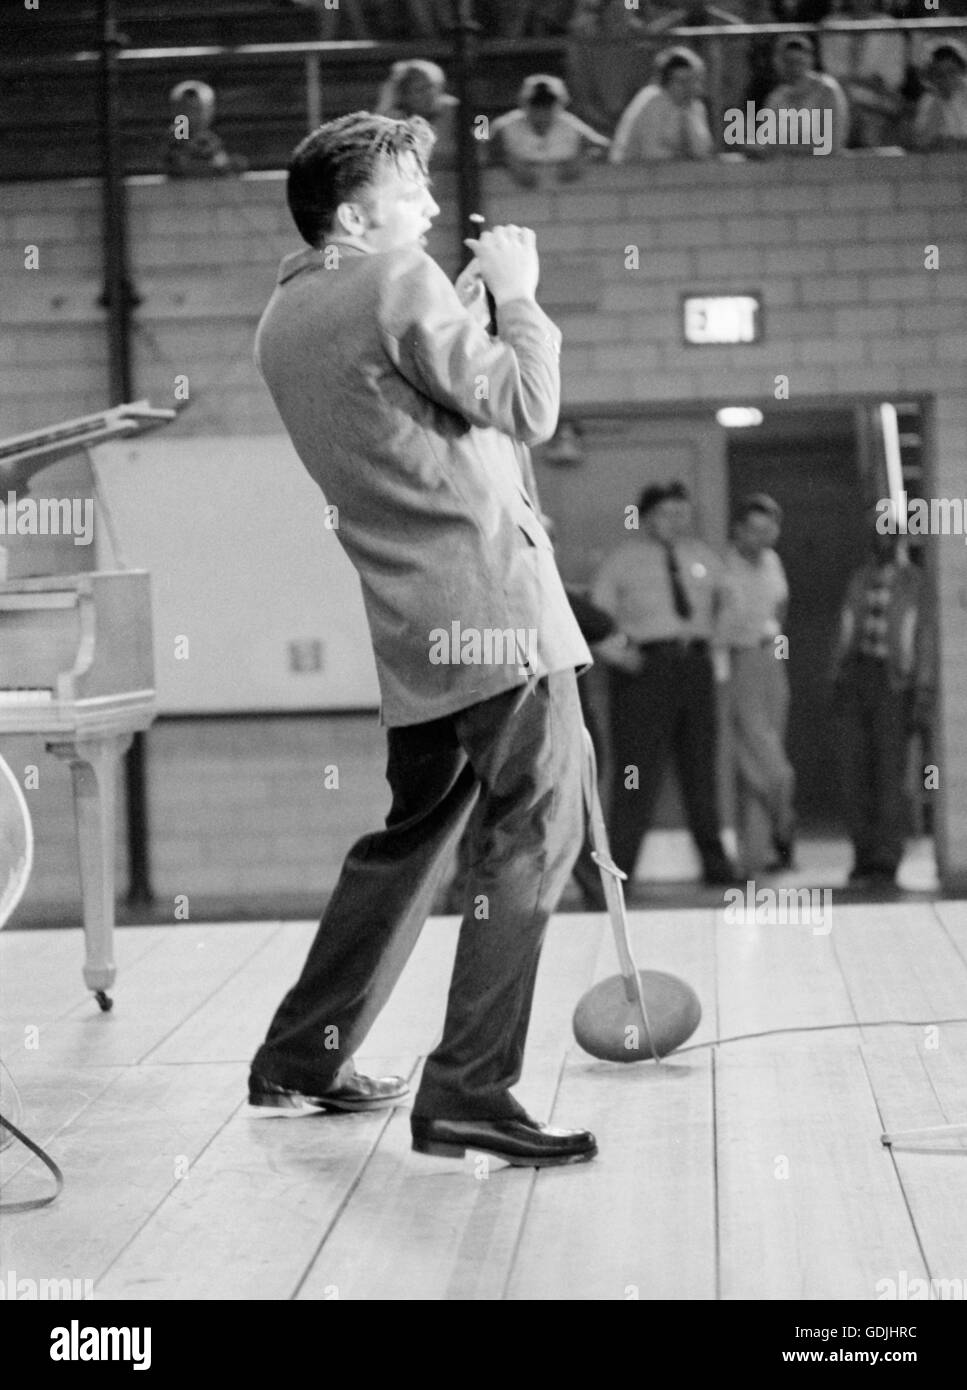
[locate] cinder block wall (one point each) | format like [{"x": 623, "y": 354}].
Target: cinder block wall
[{"x": 836, "y": 247}]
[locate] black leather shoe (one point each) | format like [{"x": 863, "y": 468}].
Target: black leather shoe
[
  {"x": 522, "y": 1143},
  {"x": 784, "y": 859},
  {"x": 718, "y": 871},
  {"x": 358, "y": 1093},
  {"x": 722, "y": 878}
]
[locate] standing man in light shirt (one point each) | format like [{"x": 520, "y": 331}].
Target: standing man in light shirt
[
  {"x": 755, "y": 599},
  {"x": 667, "y": 119},
  {"x": 662, "y": 590}
]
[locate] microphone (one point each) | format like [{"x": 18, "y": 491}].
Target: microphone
[{"x": 479, "y": 223}]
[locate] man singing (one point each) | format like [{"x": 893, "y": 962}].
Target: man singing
[{"x": 406, "y": 412}]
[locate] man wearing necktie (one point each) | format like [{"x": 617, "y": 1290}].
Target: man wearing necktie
[{"x": 662, "y": 590}]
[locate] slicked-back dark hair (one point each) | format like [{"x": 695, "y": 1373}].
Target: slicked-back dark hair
[{"x": 336, "y": 162}]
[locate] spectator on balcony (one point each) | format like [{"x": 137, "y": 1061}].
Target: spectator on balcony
[
  {"x": 194, "y": 150},
  {"x": 870, "y": 66},
  {"x": 725, "y": 78},
  {"x": 667, "y": 119},
  {"x": 541, "y": 133},
  {"x": 802, "y": 88},
  {"x": 416, "y": 87},
  {"x": 941, "y": 117},
  {"x": 761, "y": 52}
]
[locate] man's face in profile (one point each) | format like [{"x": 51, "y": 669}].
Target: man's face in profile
[
  {"x": 794, "y": 64},
  {"x": 946, "y": 75},
  {"x": 398, "y": 205},
  {"x": 682, "y": 85},
  {"x": 661, "y": 522},
  {"x": 419, "y": 95},
  {"x": 757, "y": 532},
  {"x": 540, "y": 115},
  {"x": 196, "y": 109}
]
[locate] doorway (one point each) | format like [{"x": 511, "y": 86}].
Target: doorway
[{"x": 809, "y": 463}]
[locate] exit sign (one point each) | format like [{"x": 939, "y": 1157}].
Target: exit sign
[{"x": 722, "y": 320}]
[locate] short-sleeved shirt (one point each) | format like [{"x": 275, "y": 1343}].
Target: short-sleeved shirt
[
  {"x": 634, "y": 586},
  {"x": 563, "y": 142},
  {"x": 752, "y": 598},
  {"x": 655, "y": 127},
  {"x": 943, "y": 119},
  {"x": 818, "y": 93}
]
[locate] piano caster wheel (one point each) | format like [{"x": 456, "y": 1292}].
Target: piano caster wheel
[{"x": 104, "y": 1000}]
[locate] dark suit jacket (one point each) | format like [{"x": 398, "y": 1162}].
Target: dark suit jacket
[{"x": 405, "y": 412}]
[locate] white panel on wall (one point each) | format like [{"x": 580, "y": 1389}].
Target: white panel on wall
[{"x": 243, "y": 566}]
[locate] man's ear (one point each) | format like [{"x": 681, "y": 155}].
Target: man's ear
[{"x": 350, "y": 219}]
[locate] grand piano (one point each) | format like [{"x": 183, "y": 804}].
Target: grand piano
[{"x": 76, "y": 666}]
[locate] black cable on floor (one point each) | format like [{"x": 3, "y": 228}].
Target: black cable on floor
[{"x": 46, "y": 1159}]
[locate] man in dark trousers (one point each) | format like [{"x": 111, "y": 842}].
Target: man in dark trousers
[
  {"x": 662, "y": 589},
  {"x": 406, "y": 413},
  {"x": 883, "y": 681}
]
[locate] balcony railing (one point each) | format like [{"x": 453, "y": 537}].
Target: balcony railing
[{"x": 49, "y": 126}]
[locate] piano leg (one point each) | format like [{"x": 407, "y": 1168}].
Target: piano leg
[{"x": 93, "y": 763}]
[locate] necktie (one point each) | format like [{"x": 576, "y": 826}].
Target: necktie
[{"x": 682, "y": 605}]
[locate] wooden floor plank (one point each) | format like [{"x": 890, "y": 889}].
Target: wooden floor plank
[
  {"x": 171, "y": 1186},
  {"x": 899, "y": 962},
  {"x": 230, "y": 1023},
  {"x": 422, "y": 1228},
  {"x": 639, "y": 1221},
  {"x": 681, "y": 943},
  {"x": 51, "y": 1101},
  {"x": 921, "y": 1081},
  {"x": 571, "y": 948},
  {"x": 599, "y": 1233},
  {"x": 258, "y": 1203},
  {"x": 121, "y": 1157},
  {"x": 416, "y": 1007},
  {"x": 953, "y": 917},
  {"x": 158, "y": 991},
  {"x": 40, "y": 971},
  {"x": 775, "y": 976},
  {"x": 809, "y": 1202}
]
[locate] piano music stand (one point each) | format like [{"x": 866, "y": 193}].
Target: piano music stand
[
  {"x": 93, "y": 739},
  {"x": 23, "y": 455}
]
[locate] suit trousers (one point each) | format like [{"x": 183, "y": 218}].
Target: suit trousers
[
  {"x": 667, "y": 710},
  {"x": 520, "y": 753},
  {"x": 757, "y": 700},
  {"x": 874, "y": 740},
  {"x": 586, "y": 872}
]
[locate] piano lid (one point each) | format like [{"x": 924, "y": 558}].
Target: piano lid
[{"x": 42, "y": 447}]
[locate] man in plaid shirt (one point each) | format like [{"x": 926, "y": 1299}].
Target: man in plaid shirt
[{"x": 883, "y": 674}]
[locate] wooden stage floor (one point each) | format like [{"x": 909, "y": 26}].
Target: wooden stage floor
[{"x": 752, "y": 1170}]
